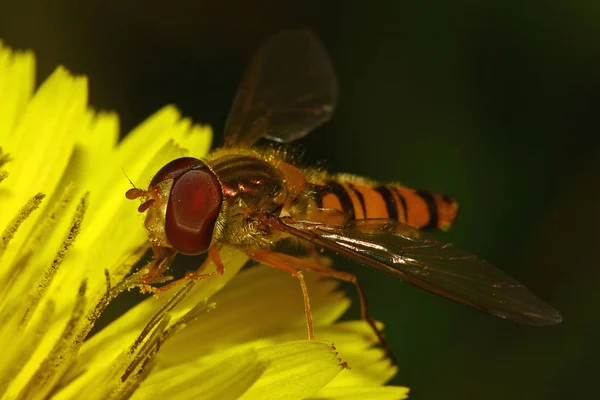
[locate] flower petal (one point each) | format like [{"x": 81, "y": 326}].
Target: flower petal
[
  {"x": 40, "y": 147},
  {"x": 361, "y": 393},
  {"x": 60, "y": 147},
  {"x": 226, "y": 379},
  {"x": 119, "y": 229},
  {"x": 356, "y": 342},
  {"x": 260, "y": 303},
  {"x": 106, "y": 347},
  {"x": 296, "y": 370},
  {"x": 17, "y": 79},
  {"x": 43, "y": 139},
  {"x": 150, "y": 137}
]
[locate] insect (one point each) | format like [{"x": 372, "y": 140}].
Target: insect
[{"x": 252, "y": 199}]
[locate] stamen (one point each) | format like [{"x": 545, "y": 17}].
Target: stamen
[
  {"x": 150, "y": 341},
  {"x": 40, "y": 383},
  {"x": 41, "y": 231},
  {"x": 4, "y": 158},
  {"x": 44, "y": 229},
  {"x": 13, "y": 226},
  {"x": 176, "y": 299},
  {"x": 48, "y": 275},
  {"x": 113, "y": 291},
  {"x": 151, "y": 334},
  {"x": 15, "y": 357},
  {"x": 155, "y": 337},
  {"x": 49, "y": 367},
  {"x": 190, "y": 316}
]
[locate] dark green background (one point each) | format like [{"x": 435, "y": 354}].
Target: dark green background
[{"x": 493, "y": 102}]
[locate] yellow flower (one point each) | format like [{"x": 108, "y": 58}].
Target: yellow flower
[{"x": 70, "y": 239}]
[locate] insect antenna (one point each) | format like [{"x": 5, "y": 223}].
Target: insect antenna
[{"x": 134, "y": 192}]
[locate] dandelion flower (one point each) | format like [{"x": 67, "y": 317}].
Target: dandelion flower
[{"x": 69, "y": 242}]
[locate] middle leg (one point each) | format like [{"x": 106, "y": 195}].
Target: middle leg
[
  {"x": 343, "y": 276},
  {"x": 213, "y": 255},
  {"x": 271, "y": 259}
]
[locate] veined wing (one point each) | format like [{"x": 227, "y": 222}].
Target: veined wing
[
  {"x": 412, "y": 256},
  {"x": 288, "y": 90}
]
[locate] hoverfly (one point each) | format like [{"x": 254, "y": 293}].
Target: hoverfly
[{"x": 251, "y": 199}]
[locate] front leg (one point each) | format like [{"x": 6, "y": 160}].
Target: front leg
[
  {"x": 213, "y": 255},
  {"x": 163, "y": 257}
]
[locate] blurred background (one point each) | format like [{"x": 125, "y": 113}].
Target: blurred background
[{"x": 496, "y": 103}]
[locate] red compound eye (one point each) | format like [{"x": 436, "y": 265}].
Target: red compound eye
[
  {"x": 194, "y": 204},
  {"x": 176, "y": 168}
]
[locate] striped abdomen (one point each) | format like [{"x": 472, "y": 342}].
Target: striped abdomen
[{"x": 418, "y": 208}]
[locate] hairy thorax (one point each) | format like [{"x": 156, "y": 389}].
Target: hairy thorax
[{"x": 255, "y": 184}]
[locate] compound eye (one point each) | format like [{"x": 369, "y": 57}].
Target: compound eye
[
  {"x": 193, "y": 207},
  {"x": 175, "y": 168}
]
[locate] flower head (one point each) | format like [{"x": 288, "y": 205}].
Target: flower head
[{"x": 70, "y": 239}]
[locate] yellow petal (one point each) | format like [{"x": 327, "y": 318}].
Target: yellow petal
[
  {"x": 296, "y": 370},
  {"x": 242, "y": 348},
  {"x": 57, "y": 141},
  {"x": 356, "y": 343},
  {"x": 122, "y": 226},
  {"x": 40, "y": 147},
  {"x": 362, "y": 393},
  {"x": 165, "y": 125},
  {"x": 17, "y": 79},
  {"x": 43, "y": 139},
  {"x": 93, "y": 160},
  {"x": 261, "y": 302},
  {"x": 224, "y": 380},
  {"x": 105, "y": 348}
]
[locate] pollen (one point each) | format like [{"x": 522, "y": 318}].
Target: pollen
[
  {"x": 68, "y": 241},
  {"x": 14, "y": 225},
  {"x": 4, "y": 158}
]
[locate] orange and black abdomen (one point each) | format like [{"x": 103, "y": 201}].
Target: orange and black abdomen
[{"x": 419, "y": 208}]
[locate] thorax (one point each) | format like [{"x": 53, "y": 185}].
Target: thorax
[{"x": 254, "y": 182}]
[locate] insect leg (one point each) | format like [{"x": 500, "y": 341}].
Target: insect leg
[
  {"x": 314, "y": 254},
  {"x": 157, "y": 267},
  {"x": 213, "y": 255},
  {"x": 271, "y": 259},
  {"x": 343, "y": 276}
]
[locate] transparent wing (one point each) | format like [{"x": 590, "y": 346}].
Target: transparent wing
[
  {"x": 412, "y": 256},
  {"x": 288, "y": 90}
]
